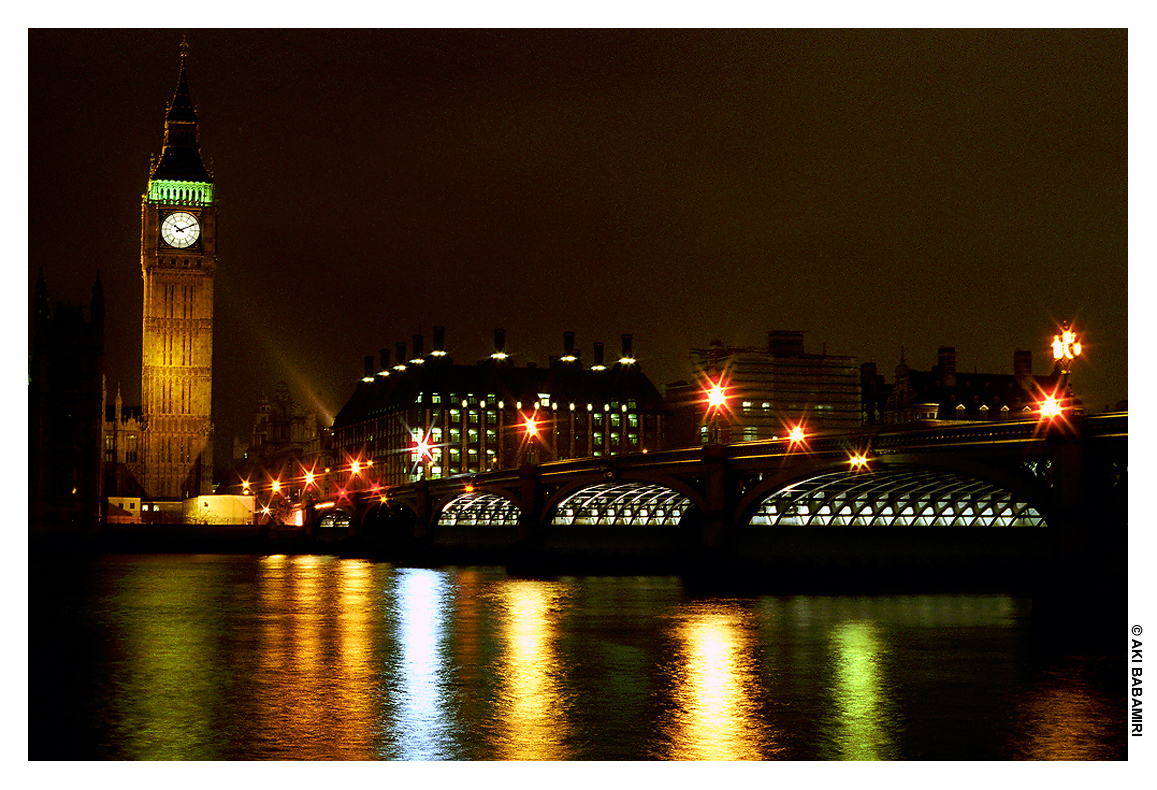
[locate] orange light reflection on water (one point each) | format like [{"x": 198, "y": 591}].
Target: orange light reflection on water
[
  {"x": 316, "y": 640},
  {"x": 1064, "y": 718},
  {"x": 532, "y": 725},
  {"x": 713, "y": 720}
]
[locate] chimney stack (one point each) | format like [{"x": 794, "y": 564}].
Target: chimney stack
[
  {"x": 499, "y": 344},
  {"x": 628, "y": 353},
  {"x": 599, "y": 357},
  {"x": 1022, "y": 363},
  {"x": 400, "y": 350},
  {"x": 419, "y": 341},
  {"x": 369, "y": 367},
  {"x": 946, "y": 359},
  {"x": 385, "y": 354},
  {"x": 439, "y": 341}
]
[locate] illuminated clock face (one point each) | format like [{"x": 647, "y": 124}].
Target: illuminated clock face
[{"x": 180, "y": 229}]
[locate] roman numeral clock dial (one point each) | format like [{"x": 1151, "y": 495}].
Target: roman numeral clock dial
[{"x": 180, "y": 229}]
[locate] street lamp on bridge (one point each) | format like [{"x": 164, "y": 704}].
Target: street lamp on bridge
[
  {"x": 1066, "y": 348},
  {"x": 716, "y": 404}
]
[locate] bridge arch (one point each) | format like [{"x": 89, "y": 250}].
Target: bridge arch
[
  {"x": 634, "y": 491},
  {"x": 893, "y": 495},
  {"x": 477, "y": 520},
  {"x": 631, "y": 503},
  {"x": 478, "y": 508},
  {"x": 336, "y": 517},
  {"x": 387, "y": 512}
]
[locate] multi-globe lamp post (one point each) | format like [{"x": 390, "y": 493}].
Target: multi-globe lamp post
[{"x": 1066, "y": 347}]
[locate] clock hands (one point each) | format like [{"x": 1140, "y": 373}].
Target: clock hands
[{"x": 180, "y": 235}]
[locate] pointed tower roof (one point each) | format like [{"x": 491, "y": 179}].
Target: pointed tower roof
[
  {"x": 181, "y": 107},
  {"x": 181, "y": 157}
]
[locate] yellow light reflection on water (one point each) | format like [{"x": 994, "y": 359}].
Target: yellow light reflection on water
[
  {"x": 290, "y": 650},
  {"x": 354, "y": 677},
  {"x": 713, "y": 720},
  {"x": 863, "y": 725},
  {"x": 532, "y": 725}
]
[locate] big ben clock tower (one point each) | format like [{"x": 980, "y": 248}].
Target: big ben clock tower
[{"x": 178, "y": 260}]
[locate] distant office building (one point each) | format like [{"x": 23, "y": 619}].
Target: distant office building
[
  {"x": 944, "y": 393},
  {"x": 65, "y": 411},
  {"x": 425, "y": 417},
  {"x": 768, "y": 391}
]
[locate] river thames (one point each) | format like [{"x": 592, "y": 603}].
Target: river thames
[{"x": 237, "y": 657}]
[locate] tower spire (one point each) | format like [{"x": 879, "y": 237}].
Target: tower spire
[{"x": 181, "y": 157}]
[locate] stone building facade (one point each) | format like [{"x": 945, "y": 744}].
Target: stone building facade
[{"x": 178, "y": 264}]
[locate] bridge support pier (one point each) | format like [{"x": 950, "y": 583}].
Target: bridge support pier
[
  {"x": 530, "y": 520},
  {"x": 422, "y": 520},
  {"x": 1067, "y": 489},
  {"x": 715, "y": 494}
]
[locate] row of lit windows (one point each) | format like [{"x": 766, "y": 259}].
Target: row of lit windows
[
  {"x": 197, "y": 192},
  {"x": 543, "y": 401}
]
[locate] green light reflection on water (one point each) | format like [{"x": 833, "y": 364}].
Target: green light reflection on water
[
  {"x": 161, "y": 700},
  {"x": 863, "y": 710}
]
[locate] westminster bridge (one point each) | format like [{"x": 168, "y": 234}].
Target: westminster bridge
[{"x": 1015, "y": 496}]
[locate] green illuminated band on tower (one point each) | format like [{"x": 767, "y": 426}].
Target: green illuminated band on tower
[{"x": 198, "y": 193}]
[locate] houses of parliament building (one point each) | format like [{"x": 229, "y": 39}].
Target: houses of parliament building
[{"x": 159, "y": 454}]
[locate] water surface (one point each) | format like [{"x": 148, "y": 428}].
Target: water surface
[{"x": 207, "y": 657}]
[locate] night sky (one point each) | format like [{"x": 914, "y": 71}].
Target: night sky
[{"x": 879, "y": 190}]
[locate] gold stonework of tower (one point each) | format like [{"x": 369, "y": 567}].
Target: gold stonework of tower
[{"x": 178, "y": 261}]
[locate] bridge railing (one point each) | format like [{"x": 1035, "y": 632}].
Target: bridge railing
[{"x": 1023, "y": 432}]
